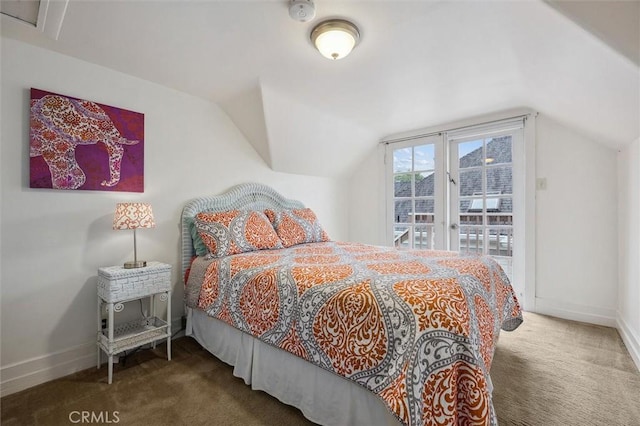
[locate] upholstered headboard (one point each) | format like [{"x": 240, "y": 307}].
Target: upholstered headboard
[{"x": 246, "y": 196}]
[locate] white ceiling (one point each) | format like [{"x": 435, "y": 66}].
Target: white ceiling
[{"x": 419, "y": 64}]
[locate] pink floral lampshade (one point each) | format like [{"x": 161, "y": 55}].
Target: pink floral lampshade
[{"x": 134, "y": 216}]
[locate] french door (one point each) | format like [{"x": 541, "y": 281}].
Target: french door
[
  {"x": 483, "y": 196},
  {"x": 459, "y": 190}
]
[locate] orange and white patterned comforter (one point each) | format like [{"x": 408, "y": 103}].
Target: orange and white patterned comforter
[{"x": 418, "y": 328}]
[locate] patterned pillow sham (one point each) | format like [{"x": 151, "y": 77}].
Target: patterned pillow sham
[
  {"x": 236, "y": 231},
  {"x": 297, "y": 226}
]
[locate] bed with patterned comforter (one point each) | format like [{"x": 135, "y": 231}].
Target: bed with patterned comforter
[{"x": 417, "y": 328}]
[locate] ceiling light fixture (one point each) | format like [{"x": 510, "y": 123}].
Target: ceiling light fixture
[{"x": 335, "y": 38}]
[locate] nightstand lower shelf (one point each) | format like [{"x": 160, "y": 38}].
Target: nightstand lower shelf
[{"x": 132, "y": 334}]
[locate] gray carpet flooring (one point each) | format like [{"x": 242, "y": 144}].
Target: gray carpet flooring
[
  {"x": 547, "y": 372},
  {"x": 556, "y": 372}
]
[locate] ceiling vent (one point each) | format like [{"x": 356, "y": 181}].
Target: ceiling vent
[
  {"x": 24, "y": 10},
  {"x": 45, "y": 15}
]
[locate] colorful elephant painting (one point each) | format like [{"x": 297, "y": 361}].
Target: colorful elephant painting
[{"x": 60, "y": 125}]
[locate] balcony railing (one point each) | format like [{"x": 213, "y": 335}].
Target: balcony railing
[
  {"x": 472, "y": 237},
  {"x": 500, "y": 240},
  {"x": 423, "y": 237}
]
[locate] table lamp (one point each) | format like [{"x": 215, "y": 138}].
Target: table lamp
[{"x": 133, "y": 216}]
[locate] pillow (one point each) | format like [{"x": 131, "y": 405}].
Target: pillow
[
  {"x": 297, "y": 226},
  {"x": 198, "y": 244},
  {"x": 236, "y": 231}
]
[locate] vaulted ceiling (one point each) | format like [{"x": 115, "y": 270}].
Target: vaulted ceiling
[{"x": 419, "y": 64}]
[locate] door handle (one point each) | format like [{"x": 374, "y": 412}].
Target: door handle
[
  {"x": 450, "y": 178},
  {"x": 453, "y": 226}
]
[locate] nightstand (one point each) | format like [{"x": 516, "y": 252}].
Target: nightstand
[{"x": 117, "y": 285}]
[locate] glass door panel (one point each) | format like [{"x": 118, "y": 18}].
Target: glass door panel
[
  {"x": 424, "y": 184},
  {"x": 414, "y": 195},
  {"x": 481, "y": 190}
]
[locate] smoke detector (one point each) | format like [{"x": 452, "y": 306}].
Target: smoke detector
[{"x": 302, "y": 10}]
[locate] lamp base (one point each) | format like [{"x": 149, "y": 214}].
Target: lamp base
[{"x": 135, "y": 264}]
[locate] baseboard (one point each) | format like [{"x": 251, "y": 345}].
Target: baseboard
[
  {"x": 575, "y": 312},
  {"x": 631, "y": 340},
  {"x": 25, "y": 374}
]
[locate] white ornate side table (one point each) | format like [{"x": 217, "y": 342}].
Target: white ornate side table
[{"x": 117, "y": 285}]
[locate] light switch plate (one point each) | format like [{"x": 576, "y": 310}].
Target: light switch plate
[{"x": 541, "y": 184}]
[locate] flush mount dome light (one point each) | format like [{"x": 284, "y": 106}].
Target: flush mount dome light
[{"x": 335, "y": 38}]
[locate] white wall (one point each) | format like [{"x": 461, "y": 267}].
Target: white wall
[
  {"x": 577, "y": 226},
  {"x": 576, "y": 222},
  {"x": 367, "y": 200},
  {"x": 629, "y": 248},
  {"x": 53, "y": 241}
]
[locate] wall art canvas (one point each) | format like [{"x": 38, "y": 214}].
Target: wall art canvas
[{"x": 84, "y": 145}]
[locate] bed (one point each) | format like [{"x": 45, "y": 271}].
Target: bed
[{"x": 351, "y": 334}]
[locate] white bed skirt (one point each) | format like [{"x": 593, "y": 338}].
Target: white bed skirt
[{"x": 322, "y": 396}]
